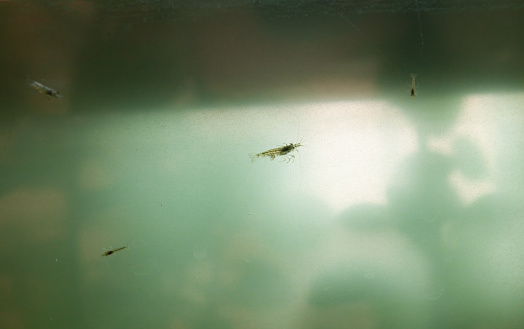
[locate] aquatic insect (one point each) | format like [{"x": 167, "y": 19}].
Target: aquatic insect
[
  {"x": 279, "y": 151},
  {"x": 49, "y": 92},
  {"x": 112, "y": 251},
  {"x": 384, "y": 56},
  {"x": 413, "y": 91}
]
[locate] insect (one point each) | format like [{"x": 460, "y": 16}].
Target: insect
[
  {"x": 413, "y": 91},
  {"x": 49, "y": 92},
  {"x": 279, "y": 151},
  {"x": 384, "y": 55},
  {"x": 112, "y": 251}
]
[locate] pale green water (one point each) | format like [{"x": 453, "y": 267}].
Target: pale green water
[{"x": 396, "y": 213}]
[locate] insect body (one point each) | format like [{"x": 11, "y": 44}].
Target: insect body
[
  {"x": 45, "y": 90},
  {"x": 112, "y": 251},
  {"x": 413, "y": 91},
  {"x": 279, "y": 151}
]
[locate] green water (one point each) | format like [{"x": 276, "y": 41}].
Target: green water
[{"x": 395, "y": 212}]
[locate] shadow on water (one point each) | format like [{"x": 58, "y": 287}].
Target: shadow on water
[{"x": 424, "y": 210}]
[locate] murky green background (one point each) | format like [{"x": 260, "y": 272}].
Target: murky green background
[{"x": 395, "y": 213}]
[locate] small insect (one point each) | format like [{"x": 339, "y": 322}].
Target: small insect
[
  {"x": 49, "y": 92},
  {"x": 279, "y": 151},
  {"x": 413, "y": 91},
  {"x": 112, "y": 251}
]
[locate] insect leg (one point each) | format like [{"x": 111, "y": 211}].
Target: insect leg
[{"x": 288, "y": 158}]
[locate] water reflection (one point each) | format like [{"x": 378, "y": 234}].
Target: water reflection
[{"x": 216, "y": 239}]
